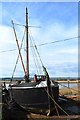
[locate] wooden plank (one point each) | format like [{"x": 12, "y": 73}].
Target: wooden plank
[
  {"x": 40, "y": 117},
  {"x": 79, "y": 90}
]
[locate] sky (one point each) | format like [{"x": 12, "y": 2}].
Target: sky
[{"x": 54, "y": 21}]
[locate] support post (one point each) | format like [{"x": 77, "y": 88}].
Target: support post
[{"x": 27, "y": 49}]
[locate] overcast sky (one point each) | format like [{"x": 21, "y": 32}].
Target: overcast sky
[{"x": 56, "y": 21}]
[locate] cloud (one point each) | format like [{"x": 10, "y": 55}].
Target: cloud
[
  {"x": 8, "y": 59},
  {"x": 54, "y": 57},
  {"x": 6, "y": 37},
  {"x": 0, "y": 12},
  {"x": 59, "y": 54},
  {"x": 41, "y": 1},
  {"x": 70, "y": 51},
  {"x": 63, "y": 70}
]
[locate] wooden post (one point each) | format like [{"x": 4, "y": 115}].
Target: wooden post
[
  {"x": 79, "y": 90},
  {"x": 27, "y": 47},
  {"x": 68, "y": 83}
]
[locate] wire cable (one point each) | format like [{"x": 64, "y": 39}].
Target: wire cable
[{"x": 63, "y": 40}]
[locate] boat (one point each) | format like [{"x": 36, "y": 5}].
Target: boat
[{"x": 38, "y": 95}]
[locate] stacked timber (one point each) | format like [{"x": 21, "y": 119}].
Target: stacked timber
[{"x": 69, "y": 92}]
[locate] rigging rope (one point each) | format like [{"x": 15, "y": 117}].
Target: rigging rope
[
  {"x": 33, "y": 53},
  {"x": 25, "y": 25},
  {"x": 18, "y": 56},
  {"x": 55, "y": 102},
  {"x": 35, "y": 46},
  {"x": 19, "y": 50},
  {"x": 36, "y": 50}
]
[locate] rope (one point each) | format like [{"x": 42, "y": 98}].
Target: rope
[
  {"x": 36, "y": 50},
  {"x": 19, "y": 49},
  {"x": 20, "y": 25},
  {"x": 25, "y": 25},
  {"x": 39, "y": 55},
  {"x": 55, "y": 106},
  {"x": 18, "y": 56},
  {"x": 56, "y": 103},
  {"x": 33, "y": 53},
  {"x": 35, "y": 46}
]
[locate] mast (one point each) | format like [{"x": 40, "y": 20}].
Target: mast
[{"x": 27, "y": 48}]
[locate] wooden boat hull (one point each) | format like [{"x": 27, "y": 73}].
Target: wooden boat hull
[{"x": 34, "y": 99}]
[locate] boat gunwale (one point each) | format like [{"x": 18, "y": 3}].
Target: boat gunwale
[{"x": 31, "y": 87}]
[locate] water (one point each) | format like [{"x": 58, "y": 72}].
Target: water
[{"x": 70, "y": 85}]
